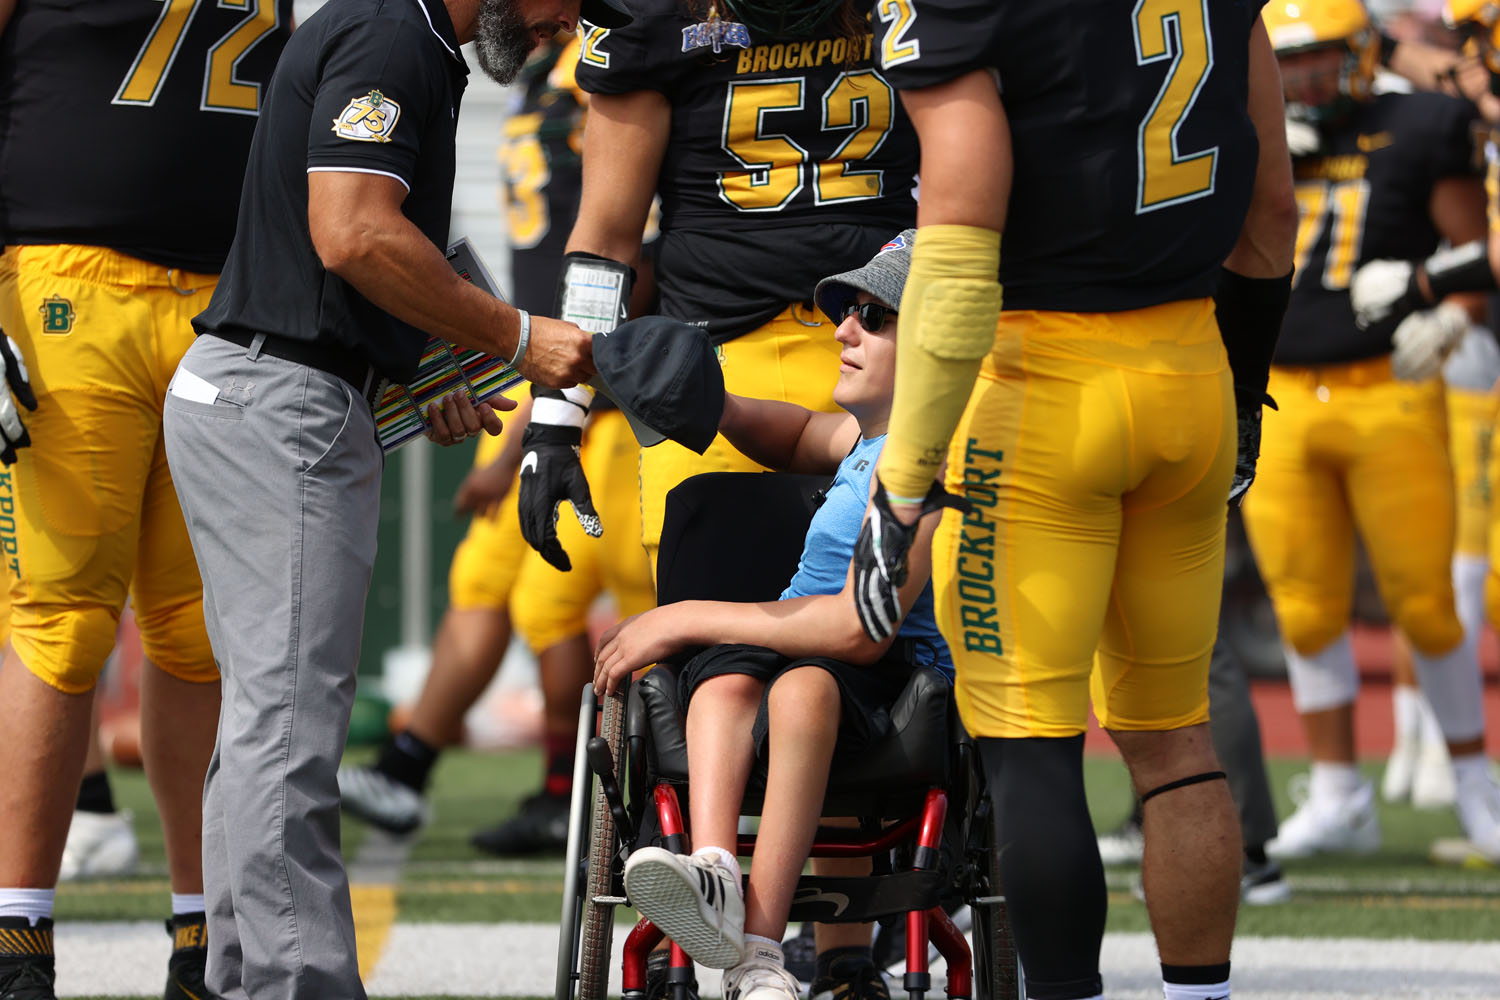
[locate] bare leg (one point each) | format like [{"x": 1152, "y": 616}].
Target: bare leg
[
  {"x": 41, "y": 764},
  {"x": 1330, "y": 734},
  {"x": 565, "y": 667},
  {"x": 94, "y": 761},
  {"x": 804, "y": 709},
  {"x": 179, "y": 722},
  {"x": 1191, "y": 867},
  {"x": 466, "y": 653},
  {"x": 720, "y": 754}
]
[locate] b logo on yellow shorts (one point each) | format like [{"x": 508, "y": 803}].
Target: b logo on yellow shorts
[{"x": 57, "y": 315}]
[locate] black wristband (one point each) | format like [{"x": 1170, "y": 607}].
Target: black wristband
[
  {"x": 1462, "y": 269},
  {"x": 1250, "y": 312},
  {"x": 1387, "y": 49}
]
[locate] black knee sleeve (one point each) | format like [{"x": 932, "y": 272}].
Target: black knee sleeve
[{"x": 1049, "y": 860}]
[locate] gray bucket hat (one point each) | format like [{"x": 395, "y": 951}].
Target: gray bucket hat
[{"x": 883, "y": 277}]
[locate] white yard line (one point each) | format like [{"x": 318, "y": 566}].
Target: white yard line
[{"x": 487, "y": 960}]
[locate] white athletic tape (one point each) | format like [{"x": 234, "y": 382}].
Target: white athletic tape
[{"x": 1454, "y": 689}]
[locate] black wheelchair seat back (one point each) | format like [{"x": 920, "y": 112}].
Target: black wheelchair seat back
[{"x": 737, "y": 536}]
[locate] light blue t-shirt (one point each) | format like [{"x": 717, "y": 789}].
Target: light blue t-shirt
[{"x": 824, "y": 565}]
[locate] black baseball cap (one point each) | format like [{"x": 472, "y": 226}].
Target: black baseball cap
[
  {"x": 605, "y": 13},
  {"x": 664, "y": 376}
]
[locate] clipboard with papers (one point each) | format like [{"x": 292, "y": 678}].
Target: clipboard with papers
[{"x": 400, "y": 416}]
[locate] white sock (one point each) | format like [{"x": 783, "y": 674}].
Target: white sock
[
  {"x": 1195, "y": 991},
  {"x": 724, "y": 860},
  {"x": 187, "y": 902},
  {"x": 762, "y": 950},
  {"x": 1468, "y": 590},
  {"x": 1333, "y": 780},
  {"x": 33, "y": 904},
  {"x": 1432, "y": 733},
  {"x": 1406, "y": 706},
  {"x": 1471, "y": 771},
  {"x": 1454, "y": 688}
]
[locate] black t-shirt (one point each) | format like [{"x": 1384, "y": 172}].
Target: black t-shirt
[
  {"x": 1367, "y": 196},
  {"x": 125, "y": 123},
  {"x": 368, "y": 86},
  {"x": 1134, "y": 154},
  {"x": 788, "y": 160}
]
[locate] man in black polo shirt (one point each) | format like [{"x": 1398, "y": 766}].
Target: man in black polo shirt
[{"x": 334, "y": 281}]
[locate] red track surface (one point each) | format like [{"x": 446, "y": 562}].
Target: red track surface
[{"x": 1281, "y": 731}]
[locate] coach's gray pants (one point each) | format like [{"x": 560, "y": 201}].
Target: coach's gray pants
[
  {"x": 1236, "y": 737},
  {"x": 279, "y": 479}
]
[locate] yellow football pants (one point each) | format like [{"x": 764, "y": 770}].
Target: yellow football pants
[
  {"x": 1097, "y": 450},
  {"x": 96, "y": 516},
  {"x": 1471, "y": 427},
  {"x": 793, "y": 358},
  {"x": 1353, "y": 448},
  {"x": 495, "y": 568}
]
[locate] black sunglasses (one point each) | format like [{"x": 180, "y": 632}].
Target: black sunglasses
[{"x": 872, "y": 315}]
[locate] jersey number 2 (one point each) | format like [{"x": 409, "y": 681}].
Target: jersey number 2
[
  {"x": 1166, "y": 175},
  {"x": 221, "y": 91}
]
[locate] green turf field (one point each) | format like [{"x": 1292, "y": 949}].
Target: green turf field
[{"x": 1395, "y": 893}]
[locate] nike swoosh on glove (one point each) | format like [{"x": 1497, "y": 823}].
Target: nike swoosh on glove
[
  {"x": 880, "y": 558},
  {"x": 1423, "y": 341},
  {"x": 550, "y": 474},
  {"x": 12, "y": 429},
  {"x": 1247, "y": 409}
]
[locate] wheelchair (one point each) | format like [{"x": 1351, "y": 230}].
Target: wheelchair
[{"x": 924, "y": 817}]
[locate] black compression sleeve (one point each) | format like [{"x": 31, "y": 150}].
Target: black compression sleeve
[
  {"x": 1463, "y": 269},
  {"x": 1250, "y": 312}
]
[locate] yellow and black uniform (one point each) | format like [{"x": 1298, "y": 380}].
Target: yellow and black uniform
[
  {"x": 1099, "y": 441},
  {"x": 788, "y": 159},
  {"x": 1351, "y": 447},
  {"x": 108, "y": 258},
  {"x": 493, "y": 567}
]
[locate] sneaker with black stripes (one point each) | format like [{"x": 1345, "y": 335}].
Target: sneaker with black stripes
[
  {"x": 658, "y": 966},
  {"x": 27, "y": 969},
  {"x": 693, "y": 899}
]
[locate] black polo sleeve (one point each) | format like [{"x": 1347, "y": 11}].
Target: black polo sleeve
[{"x": 380, "y": 86}]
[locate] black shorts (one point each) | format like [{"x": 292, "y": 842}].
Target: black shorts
[{"x": 867, "y": 692}]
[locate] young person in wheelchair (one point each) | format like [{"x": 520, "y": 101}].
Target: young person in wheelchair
[{"x": 795, "y": 680}]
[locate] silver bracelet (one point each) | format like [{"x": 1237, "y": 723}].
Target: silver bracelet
[{"x": 524, "y": 340}]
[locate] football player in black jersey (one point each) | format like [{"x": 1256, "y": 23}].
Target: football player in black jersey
[
  {"x": 126, "y": 139},
  {"x": 1139, "y": 172},
  {"x": 1360, "y": 440}
]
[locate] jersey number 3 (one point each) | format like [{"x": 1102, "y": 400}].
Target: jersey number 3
[
  {"x": 221, "y": 91},
  {"x": 1168, "y": 176}
]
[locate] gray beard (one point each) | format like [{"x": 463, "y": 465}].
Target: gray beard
[{"x": 502, "y": 40}]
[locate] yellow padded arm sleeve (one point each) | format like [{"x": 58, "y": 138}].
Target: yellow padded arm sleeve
[{"x": 946, "y": 326}]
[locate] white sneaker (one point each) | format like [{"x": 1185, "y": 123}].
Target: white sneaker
[
  {"x": 381, "y": 801},
  {"x": 1478, "y": 805},
  {"x": 694, "y": 900},
  {"x": 1400, "y": 770},
  {"x": 1432, "y": 780},
  {"x": 1122, "y": 846},
  {"x": 761, "y": 977},
  {"x": 1330, "y": 825},
  {"x": 99, "y": 845}
]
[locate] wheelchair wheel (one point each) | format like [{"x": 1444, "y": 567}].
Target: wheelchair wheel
[
  {"x": 997, "y": 970},
  {"x": 573, "y": 862},
  {"x": 598, "y": 900}
]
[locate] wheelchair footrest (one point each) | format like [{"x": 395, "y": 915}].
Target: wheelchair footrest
[{"x": 830, "y": 900}]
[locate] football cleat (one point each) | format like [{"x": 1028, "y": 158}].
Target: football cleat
[
  {"x": 1264, "y": 884},
  {"x": 855, "y": 978},
  {"x": 27, "y": 971},
  {"x": 99, "y": 845},
  {"x": 1329, "y": 825},
  {"x": 189, "y": 962},
  {"x": 382, "y": 801},
  {"x": 540, "y": 826}
]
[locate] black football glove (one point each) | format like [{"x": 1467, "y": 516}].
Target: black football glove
[
  {"x": 550, "y": 474},
  {"x": 1247, "y": 408},
  {"x": 12, "y": 430},
  {"x": 880, "y": 558}
]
